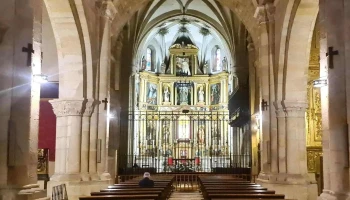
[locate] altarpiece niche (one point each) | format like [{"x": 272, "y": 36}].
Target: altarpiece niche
[{"x": 181, "y": 122}]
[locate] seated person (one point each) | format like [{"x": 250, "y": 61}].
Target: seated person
[{"x": 146, "y": 181}]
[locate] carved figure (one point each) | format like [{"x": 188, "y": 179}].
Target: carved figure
[
  {"x": 201, "y": 94},
  {"x": 143, "y": 63},
  {"x": 224, "y": 64},
  {"x": 166, "y": 94}
]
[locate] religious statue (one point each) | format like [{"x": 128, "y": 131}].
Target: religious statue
[
  {"x": 201, "y": 94},
  {"x": 183, "y": 95},
  {"x": 166, "y": 133},
  {"x": 183, "y": 66},
  {"x": 166, "y": 94},
  {"x": 201, "y": 134},
  {"x": 230, "y": 83},
  {"x": 143, "y": 63},
  {"x": 162, "y": 68},
  {"x": 205, "y": 67},
  {"x": 215, "y": 94},
  {"x": 152, "y": 94},
  {"x": 224, "y": 64},
  {"x": 150, "y": 132}
]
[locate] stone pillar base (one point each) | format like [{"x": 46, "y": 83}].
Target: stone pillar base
[
  {"x": 105, "y": 176},
  {"x": 29, "y": 192},
  {"x": 76, "y": 189},
  {"x": 293, "y": 186},
  {"x": 330, "y": 195}
]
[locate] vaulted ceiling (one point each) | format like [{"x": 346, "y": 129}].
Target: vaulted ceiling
[{"x": 220, "y": 21}]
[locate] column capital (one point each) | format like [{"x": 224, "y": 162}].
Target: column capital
[
  {"x": 107, "y": 9},
  {"x": 280, "y": 113},
  {"x": 90, "y": 106},
  {"x": 294, "y": 109},
  {"x": 67, "y": 107}
]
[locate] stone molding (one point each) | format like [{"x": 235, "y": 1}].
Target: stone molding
[
  {"x": 107, "y": 9},
  {"x": 280, "y": 113},
  {"x": 67, "y": 107},
  {"x": 265, "y": 13},
  {"x": 295, "y": 109},
  {"x": 90, "y": 106}
]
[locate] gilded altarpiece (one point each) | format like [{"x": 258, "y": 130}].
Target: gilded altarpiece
[
  {"x": 181, "y": 122},
  {"x": 314, "y": 113}
]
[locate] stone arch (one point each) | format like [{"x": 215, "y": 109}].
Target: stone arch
[
  {"x": 298, "y": 52},
  {"x": 244, "y": 10},
  {"x": 70, "y": 30}
]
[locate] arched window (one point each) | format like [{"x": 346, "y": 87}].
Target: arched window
[
  {"x": 218, "y": 59},
  {"x": 149, "y": 59}
]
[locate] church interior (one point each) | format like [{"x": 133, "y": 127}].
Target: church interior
[{"x": 218, "y": 99}]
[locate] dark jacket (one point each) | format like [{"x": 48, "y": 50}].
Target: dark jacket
[{"x": 146, "y": 182}]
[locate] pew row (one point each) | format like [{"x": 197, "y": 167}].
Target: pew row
[
  {"x": 131, "y": 190},
  {"x": 216, "y": 188}
]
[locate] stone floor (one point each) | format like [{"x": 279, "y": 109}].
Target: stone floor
[{"x": 181, "y": 195}]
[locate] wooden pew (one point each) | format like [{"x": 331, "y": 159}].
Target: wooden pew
[
  {"x": 227, "y": 188},
  {"x": 136, "y": 196},
  {"x": 241, "y": 191},
  {"x": 246, "y": 196},
  {"x": 158, "y": 192},
  {"x": 131, "y": 190}
]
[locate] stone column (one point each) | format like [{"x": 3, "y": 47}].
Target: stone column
[
  {"x": 20, "y": 27},
  {"x": 253, "y": 111},
  {"x": 85, "y": 139},
  {"x": 281, "y": 129},
  {"x": 71, "y": 155},
  {"x": 334, "y": 23},
  {"x": 68, "y": 138},
  {"x": 265, "y": 90},
  {"x": 107, "y": 11},
  {"x": 296, "y": 139},
  {"x": 93, "y": 144}
]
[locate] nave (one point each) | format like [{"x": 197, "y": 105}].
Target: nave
[
  {"x": 93, "y": 90},
  {"x": 187, "y": 186}
]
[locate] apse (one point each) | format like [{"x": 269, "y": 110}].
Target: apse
[{"x": 182, "y": 83}]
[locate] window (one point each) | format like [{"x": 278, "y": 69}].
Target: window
[
  {"x": 149, "y": 59},
  {"x": 218, "y": 59}
]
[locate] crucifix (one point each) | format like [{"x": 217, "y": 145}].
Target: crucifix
[
  {"x": 330, "y": 55},
  {"x": 264, "y": 105},
  {"x": 105, "y": 101},
  {"x": 29, "y": 50}
]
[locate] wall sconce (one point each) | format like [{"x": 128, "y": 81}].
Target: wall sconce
[
  {"x": 320, "y": 83},
  {"x": 40, "y": 78},
  {"x": 264, "y": 105}
]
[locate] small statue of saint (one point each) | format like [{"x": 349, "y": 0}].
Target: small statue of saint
[
  {"x": 201, "y": 94},
  {"x": 224, "y": 64},
  {"x": 162, "y": 68},
  {"x": 143, "y": 63},
  {"x": 201, "y": 134},
  {"x": 205, "y": 67},
  {"x": 184, "y": 95},
  {"x": 186, "y": 67},
  {"x": 166, "y": 94}
]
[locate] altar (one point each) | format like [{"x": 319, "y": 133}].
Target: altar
[{"x": 181, "y": 116}]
